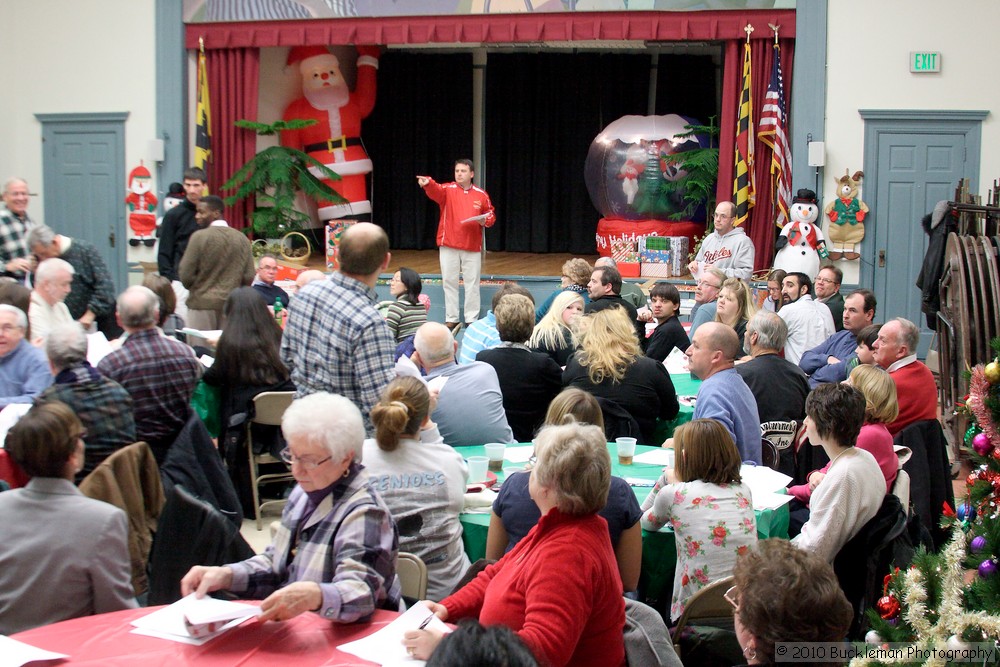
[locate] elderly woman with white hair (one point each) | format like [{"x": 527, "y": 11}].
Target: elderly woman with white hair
[
  {"x": 335, "y": 551},
  {"x": 559, "y": 589},
  {"x": 53, "y": 281}
]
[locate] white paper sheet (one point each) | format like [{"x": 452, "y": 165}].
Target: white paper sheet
[
  {"x": 168, "y": 623},
  {"x": 385, "y": 646},
  {"x": 656, "y": 457},
  {"x": 406, "y": 368},
  {"x": 14, "y": 653},
  {"x": 676, "y": 362},
  {"x": 9, "y": 416},
  {"x": 98, "y": 347},
  {"x": 763, "y": 482},
  {"x": 518, "y": 454},
  {"x": 770, "y": 501},
  {"x": 437, "y": 383}
]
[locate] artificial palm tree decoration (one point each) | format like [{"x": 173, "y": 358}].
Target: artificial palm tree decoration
[{"x": 274, "y": 176}]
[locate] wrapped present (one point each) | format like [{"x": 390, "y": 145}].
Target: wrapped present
[
  {"x": 334, "y": 230},
  {"x": 654, "y": 270},
  {"x": 678, "y": 255},
  {"x": 654, "y": 256},
  {"x": 656, "y": 242},
  {"x": 629, "y": 269},
  {"x": 623, "y": 251}
]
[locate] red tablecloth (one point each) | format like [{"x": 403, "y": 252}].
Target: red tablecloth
[
  {"x": 105, "y": 641},
  {"x": 10, "y": 472}
]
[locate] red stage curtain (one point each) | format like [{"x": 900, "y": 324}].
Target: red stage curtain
[
  {"x": 232, "y": 89},
  {"x": 491, "y": 28},
  {"x": 760, "y": 228}
]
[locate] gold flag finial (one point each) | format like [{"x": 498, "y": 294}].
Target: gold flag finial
[{"x": 775, "y": 29}]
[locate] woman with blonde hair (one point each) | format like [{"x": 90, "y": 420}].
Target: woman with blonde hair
[
  {"x": 421, "y": 479},
  {"x": 709, "y": 507},
  {"x": 576, "y": 274},
  {"x": 555, "y": 333},
  {"x": 610, "y": 365},
  {"x": 558, "y": 589},
  {"x": 881, "y": 408},
  {"x": 735, "y": 306}
]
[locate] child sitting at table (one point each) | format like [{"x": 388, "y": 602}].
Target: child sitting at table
[
  {"x": 515, "y": 513},
  {"x": 708, "y": 506}
]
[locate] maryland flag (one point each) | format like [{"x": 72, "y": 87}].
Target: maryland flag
[
  {"x": 203, "y": 117},
  {"x": 743, "y": 186},
  {"x": 773, "y": 124}
]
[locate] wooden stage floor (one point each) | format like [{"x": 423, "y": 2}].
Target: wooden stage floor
[{"x": 426, "y": 262}]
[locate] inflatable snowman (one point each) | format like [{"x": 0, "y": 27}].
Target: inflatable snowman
[{"x": 801, "y": 245}]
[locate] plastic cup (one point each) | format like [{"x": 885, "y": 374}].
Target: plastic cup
[
  {"x": 478, "y": 465},
  {"x": 494, "y": 452},
  {"x": 626, "y": 450}
]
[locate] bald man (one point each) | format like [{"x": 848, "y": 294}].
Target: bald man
[
  {"x": 723, "y": 394},
  {"x": 335, "y": 339},
  {"x": 14, "y": 227},
  {"x": 470, "y": 405}
]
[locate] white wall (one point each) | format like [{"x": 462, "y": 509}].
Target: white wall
[
  {"x": 67, "y": 56},
  {"x": 868, "y": 51}
]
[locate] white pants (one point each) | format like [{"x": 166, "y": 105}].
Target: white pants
[{"x": 469, "y": 264}]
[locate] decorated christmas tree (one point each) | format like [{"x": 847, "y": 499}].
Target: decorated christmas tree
[{"x": 951, "y": 600}]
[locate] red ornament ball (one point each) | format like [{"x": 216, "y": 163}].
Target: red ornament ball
[
  {"x": 888, "y": 607},
  {"x": 971, "y": 480},
  {"x": 996, "y": 454}
]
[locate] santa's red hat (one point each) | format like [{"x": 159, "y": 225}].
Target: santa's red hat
[
  {"x": 139, "y": 172},
  {"x": 299, "y": 53}
]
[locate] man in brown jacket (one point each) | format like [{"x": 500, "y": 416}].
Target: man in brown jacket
[{"x": 216, "y": 261}]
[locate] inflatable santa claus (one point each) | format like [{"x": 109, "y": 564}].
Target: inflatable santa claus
[{"x": 335, "y": 139}]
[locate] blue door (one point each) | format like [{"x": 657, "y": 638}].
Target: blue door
[
  {"x": 83, "y": 165},
  {"x": 910, "y": 165}
]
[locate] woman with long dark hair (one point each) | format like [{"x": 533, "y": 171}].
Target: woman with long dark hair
[{"x": 247, "y": 363}]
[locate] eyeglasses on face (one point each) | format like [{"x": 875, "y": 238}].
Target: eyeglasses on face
[
  {"x": 705, "y": 283},
  {"x": 732, "y": 597},
  {"x": 306, "y": 463}
]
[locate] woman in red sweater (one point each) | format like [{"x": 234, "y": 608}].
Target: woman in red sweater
[{"x": 559, "y": 588}]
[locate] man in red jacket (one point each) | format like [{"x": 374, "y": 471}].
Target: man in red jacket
[
  {"x": 896, "y": 351},
  {"x": 465, "y": 210}
]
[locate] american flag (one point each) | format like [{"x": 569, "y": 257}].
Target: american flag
[{"x": 773, "y": 121}]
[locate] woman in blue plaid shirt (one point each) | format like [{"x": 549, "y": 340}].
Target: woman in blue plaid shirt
[{"x": 335, "y": 552}]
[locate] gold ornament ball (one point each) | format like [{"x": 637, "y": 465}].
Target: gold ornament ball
[{"x": 992, "y": 372}]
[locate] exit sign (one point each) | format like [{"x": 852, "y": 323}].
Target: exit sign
[{"x": 925, "y": 61}]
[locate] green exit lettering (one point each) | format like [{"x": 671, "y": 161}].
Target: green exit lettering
[{"x": 925, "y": 61}]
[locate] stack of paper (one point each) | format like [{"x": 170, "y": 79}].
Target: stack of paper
[{"x": 194, "y": 621}]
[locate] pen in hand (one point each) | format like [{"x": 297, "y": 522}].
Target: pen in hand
[{"x": 425, "y": 622}]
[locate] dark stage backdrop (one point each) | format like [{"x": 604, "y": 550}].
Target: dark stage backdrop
[{"x": 542, "y": 112}]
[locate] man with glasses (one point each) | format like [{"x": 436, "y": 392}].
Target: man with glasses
[
  {"x": 706, "y": 296},
  {"x": 828, "y": 292},
  {"x": 25, "y": 371},
  {"x": 263, "y": 282},
  {"x": 728, "y": 248}
]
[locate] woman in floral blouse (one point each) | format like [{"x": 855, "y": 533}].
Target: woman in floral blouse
[{"x": 707, "y": 505}]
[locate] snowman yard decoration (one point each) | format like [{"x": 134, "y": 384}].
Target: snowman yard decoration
[{"x": 801, "y": 244}]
